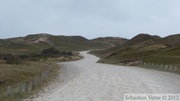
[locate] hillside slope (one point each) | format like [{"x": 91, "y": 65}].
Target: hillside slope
[
  {"x": 111, "y": 41},
  {"x": 144, "y": 48},
  {"x": 37, "y": 42}
]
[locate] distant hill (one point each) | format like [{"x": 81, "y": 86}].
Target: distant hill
[
  {"x": 145, "y": 39},
  {"x": 111, "y": 41},
  {"x": 172, "y": 40},
  {"x": 35, "y": 43},
  {"x": 145, "y": 48}
]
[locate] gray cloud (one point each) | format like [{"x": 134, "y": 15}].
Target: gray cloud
[{"x": 89, "y": 18}]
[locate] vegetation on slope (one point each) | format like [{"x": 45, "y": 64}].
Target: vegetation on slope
[
  {"x": 20, "y": 68},
  {"x": 144, "y": 48},
  {"x": 37, "y": 42}
]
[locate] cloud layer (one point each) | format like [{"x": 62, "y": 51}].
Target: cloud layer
[{"x": 89, "y": 18}]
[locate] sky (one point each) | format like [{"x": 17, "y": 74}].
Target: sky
[{"x": 89, "y": 18}]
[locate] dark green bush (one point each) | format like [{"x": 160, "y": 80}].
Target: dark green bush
[
  {"x": 51, "y": 51},
  {"x": 67, "y": 53}
]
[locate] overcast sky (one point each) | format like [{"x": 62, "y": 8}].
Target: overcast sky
[{"x": 89, "y": 18}]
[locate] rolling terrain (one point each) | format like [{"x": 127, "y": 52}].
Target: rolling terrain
[
  {"x": 144, "y": 48},
  {"x": 37, "y": 42},
  {"x": 107, "y": 82}
]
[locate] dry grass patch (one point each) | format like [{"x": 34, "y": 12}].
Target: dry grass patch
[{"x": 10, "y": 75}]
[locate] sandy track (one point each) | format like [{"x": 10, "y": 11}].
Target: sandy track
[{"x": 86, "y": 80}]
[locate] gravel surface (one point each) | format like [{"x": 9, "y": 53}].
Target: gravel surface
[{"x": 86, "y": 80}]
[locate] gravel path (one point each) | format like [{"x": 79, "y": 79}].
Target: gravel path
[{"x": 86, "y": 80}]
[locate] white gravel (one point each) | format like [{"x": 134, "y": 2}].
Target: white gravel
[{"x": 86, "y": 80}]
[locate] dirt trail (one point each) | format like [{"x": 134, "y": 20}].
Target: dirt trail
[{"x": 86, "y": 80}]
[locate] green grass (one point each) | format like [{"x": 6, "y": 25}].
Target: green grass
[
  {"x": 23, "y": 49},
  {"x": 61, "y": 45},
  {"x": 161, "y": 59},
  {"x": 153, "y": 54}
]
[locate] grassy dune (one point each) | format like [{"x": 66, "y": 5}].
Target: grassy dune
[{"x": 145, "y": 48}]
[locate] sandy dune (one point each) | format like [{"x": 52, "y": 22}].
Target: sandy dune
[{"x": 86, "y": 80}]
